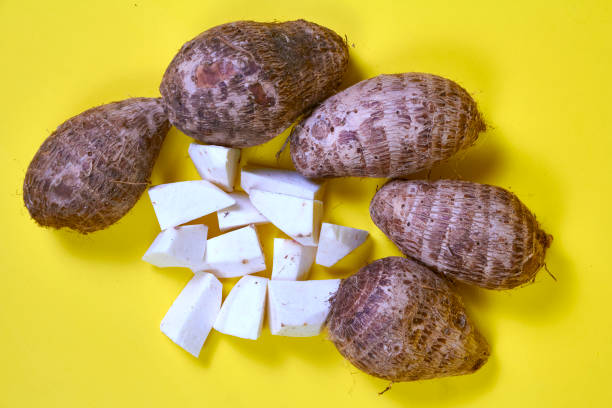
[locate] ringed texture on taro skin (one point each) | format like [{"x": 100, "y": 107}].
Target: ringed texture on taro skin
[
  {"x": 386, "y": 126},
  {"x": 91, "y": 171},
  {"x": 242, "y": 83},
  {"x": 396, "y": 319},
  {"x": 474, "y": 233}
]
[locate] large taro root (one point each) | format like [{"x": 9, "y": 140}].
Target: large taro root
[
  {"x": 94, "y": 167},
  {"x": 386, "y": 126},
  {"x": 396, "y": 319},
  {"x": 474, "y": 233},
  {"x": 242, "y": 83}
]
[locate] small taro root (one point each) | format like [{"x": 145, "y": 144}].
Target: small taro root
[
  {"x": 474, "y": 233},
  {"x": 95, "y": 166},
  {"x": 242, "y": 83},
  {"x": 386, "y": 126},
  {"x": 396, "y": 319}
]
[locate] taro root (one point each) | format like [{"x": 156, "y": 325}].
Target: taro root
[
  {"x": 474, "y": 233},
  {"x": 386, "y": 126},
  {"x": 396, "y": 319},
  {"x": 242, "y": 83},
  {"x": 95, "y": 166}
]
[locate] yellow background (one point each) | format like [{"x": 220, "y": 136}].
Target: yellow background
[{"x": 79, "y": 315}]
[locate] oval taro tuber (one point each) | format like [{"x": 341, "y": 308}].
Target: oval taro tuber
[
  {"x": 474, "y": 233},
  {"x": 94, "y": 167},
  {"x": 386, "y": 126},
  {"x": 396, "y": 319},
  {"x": 242, "y": 83}
]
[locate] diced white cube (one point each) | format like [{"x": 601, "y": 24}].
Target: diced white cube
[
  {"x": 297, "y": 217},
  {"x": 193, "y": 313},
  {"x": 178, "y": 247},
  {"x": 217, "y": 164},
  {"x": 337, "y": 241},
  {"x": 239, "y": 214},
  {"x": 291, "y": 260},
  {"x": 235, "y": 253},
  {"x": 243, "y": 310},
  {"x": 299, "y": 308},
  {"x": 280, "y": 181},
  {"x": 177, "y": 203}
]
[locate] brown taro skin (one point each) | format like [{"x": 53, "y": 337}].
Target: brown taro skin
[
  {"x": 386, "y": 126},
  {"x": 242, "y": 83},
  {"x": 396, "y": 319},
  {"x": 95, "y": 166},
  {"x": 474, "y": 233}
]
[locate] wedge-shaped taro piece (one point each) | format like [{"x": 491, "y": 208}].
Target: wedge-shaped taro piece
[
  {"x": 337, "y": 241},
  {"x": 178, "y": 247},
  {"x": 193, "y": 313},
  {"x": 280, "y": 181},
  {"x": 242, "y": 312},
  {"x": 239, "y": 214},
  {"x": 177, "y": 203},
  {"x": 299, "y": 308},
  {"x": 299, "y": 218},
  {"x": 217, "y": 164},
  {"x": 233, "y": 254},
  {"x": 291, "y": 260}
]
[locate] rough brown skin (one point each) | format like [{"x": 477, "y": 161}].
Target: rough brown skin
[
  {"x": 474, "y": 233},
  {"x": 386, "y": 126},
  {"x": 396, "y": 319},
  {"x": 95, "y": 166},
  {"x": 242, "y": 83}
]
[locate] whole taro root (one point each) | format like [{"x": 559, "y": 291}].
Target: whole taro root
[
  {"x": 396, "y": 319},
  {"x": 474, "y": 233},
  {"x": 94, "y": 167},
  {"x": 386, "y": 126},
  {"x": 242, "y": 83}
]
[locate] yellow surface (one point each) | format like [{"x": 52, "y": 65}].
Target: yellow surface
[{"x": 79, "y": 315}]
